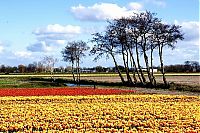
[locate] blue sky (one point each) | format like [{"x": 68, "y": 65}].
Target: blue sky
[{"x": 29, "y": 30}]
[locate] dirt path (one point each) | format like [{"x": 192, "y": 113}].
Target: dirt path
[
  {"x": 164, "y": 92},
  {"x": 188, "y": 80}
]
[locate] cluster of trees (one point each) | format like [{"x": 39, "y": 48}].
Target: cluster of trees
[
  {"x": 188, "y": 66},
  {"x": 130, "y": 37},
  {"x": 30, "y": 68},
  {"x": 45, "y": 65}
]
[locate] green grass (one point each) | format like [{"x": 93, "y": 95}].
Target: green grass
[
  {"x": 19, "y": 82},
  {"x": 2, "y": 82},
  {"x": 9, "y": 81}
]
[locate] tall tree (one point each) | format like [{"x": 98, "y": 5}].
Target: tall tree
[
  {"x": 106, "y": 45},
  {"x": 121, "y": 28},
  {"x": 69, "y": 55},
  {"x": 166, "y": 35},
  {"x": 144, "y": 25},
  {"x": 73, "y": 53},
  {"x": 135, "y": 38},
  {"x": 80, "y": 48}
]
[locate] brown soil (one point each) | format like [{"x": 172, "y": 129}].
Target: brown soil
[
  {"x": 187, "y": 80},
  {"x": 164, "y": 92}
]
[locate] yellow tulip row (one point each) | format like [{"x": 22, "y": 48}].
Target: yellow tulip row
[{"x": 100, "y": 113}]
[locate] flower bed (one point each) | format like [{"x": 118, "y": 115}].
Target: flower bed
[
  {"x": 60, "y": 91},
  {"x": 100, "y": 113}
]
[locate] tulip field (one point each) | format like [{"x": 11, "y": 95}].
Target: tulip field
[
  {"x": 92, "y": 113},
  {"x": 70, "y": 91}
]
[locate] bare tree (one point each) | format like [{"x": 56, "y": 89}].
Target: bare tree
[
  {"x": 166, "y": 35},
  {"x": 73, "y": 53},
  {"x": 69, "y": 55},
  {"x": 50, "y": 63},
  {"x": 120, "y": 27},
  {"x": 135, "y": 38},
  {"x": 145, "y": 21},
  {"x": 106, "y": 45},
  {"x": 143, "y": 32},
  {"x": 80, "y": 48}
]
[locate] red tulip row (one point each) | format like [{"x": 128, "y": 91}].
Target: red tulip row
[{"x": 60, "y": 91}]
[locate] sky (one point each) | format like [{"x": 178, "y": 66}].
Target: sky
[{"x": 30, "y": 30}]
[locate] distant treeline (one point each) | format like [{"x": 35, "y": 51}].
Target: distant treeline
[{"x": 188, "y": 66}]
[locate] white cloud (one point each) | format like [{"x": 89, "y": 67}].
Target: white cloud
[
  {"x": 58, "y": 29},
  {"x": 23, "y": 54},
  {"x": 104, "y": 11},
  {"x": 52, "y": 36},
  {"x": 181, "y": 53},
  {"x": 62, "y": 42},
  {"x": 57, "y": 32},
  {"x": 13, "y": 58},
  {"x": 187, "y": 49},
  {"x": 191, "y": 31},
  {"x": 40, "y": 47}
]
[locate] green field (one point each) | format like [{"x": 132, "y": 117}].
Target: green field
[{"x": 25, "y": 82}]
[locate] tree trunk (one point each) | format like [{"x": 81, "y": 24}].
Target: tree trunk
[
  {"x": 161, "y": 65},
  {"x": 144, "y": 39},
  {"x": 79, "y": 73},
  {"x": 140, "y": 69},
  {"x": 134, "y": 65},
  {"x": 133, "y": 71},
  {"x": 152, "y": 74},
  {"x": 147, "y": 66},
  {"x": 125, "y": 65},
  {"x": 73, "y": 71},
  {"x": 119, "y": 72},
  {"x": 76, "y": 71}
]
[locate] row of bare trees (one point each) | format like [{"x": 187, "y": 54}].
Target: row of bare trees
[
  {"x": 131, "y": 37},
  {"x": 135, "y": 39}
]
